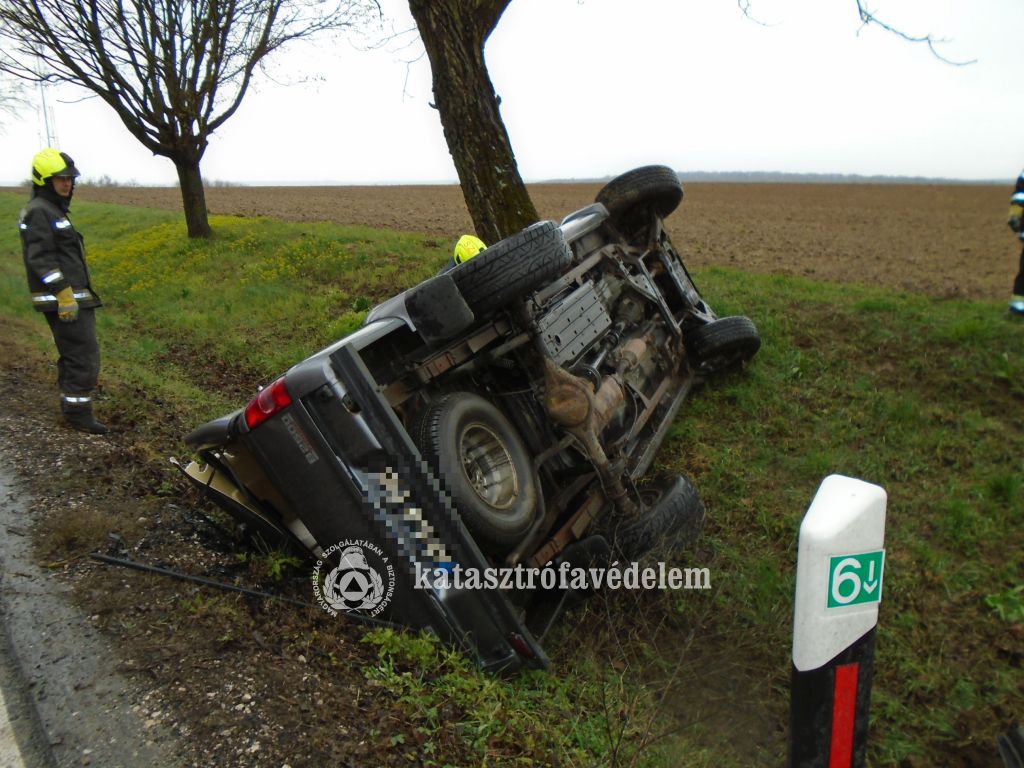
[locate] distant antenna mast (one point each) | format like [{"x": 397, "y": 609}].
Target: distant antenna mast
[{"x": 48, "y": 120}]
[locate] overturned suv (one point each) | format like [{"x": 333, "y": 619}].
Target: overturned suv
[{"x": 501, "y": 414}]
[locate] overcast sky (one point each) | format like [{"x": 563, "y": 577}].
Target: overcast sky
[{"x": 591, "y": 88}]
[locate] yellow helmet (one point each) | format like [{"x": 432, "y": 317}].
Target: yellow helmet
[
  {"x": 52, "y": 162},
  {"x": 467, "y": 247}
]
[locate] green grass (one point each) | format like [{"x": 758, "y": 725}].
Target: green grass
[
  {"x": 500, "y": 722},
  {"x": 921, "y": 396},
  {"x": 239, "y": 308}
]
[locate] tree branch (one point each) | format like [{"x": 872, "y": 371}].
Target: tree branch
[
  {"x": 744, "y": 6},
  {"x": 488, "y": 13},
  {"x": 868, "y": 17}
]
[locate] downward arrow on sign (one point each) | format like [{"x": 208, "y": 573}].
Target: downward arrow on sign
[{"x": 869, "y": 586}]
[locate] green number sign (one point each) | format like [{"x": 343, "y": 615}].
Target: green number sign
[{"x": 855, "y": 579}]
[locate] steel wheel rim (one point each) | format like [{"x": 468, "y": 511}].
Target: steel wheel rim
[{"x": 488, "y": 467}]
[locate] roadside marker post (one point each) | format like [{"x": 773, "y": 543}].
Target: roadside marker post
[{"x": 839, "y": 573}]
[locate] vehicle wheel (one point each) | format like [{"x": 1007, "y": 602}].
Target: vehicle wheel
[
  {"x": 671, "y": 520},
  {"x": 484, "y": 464},
  {"x": 654, "y": 186},
  {"x": 723, "y": 343},
  {"x": 512, "y": 267}
]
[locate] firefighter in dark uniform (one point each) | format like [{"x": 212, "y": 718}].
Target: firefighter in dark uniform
[
  {"x": 1016, "y": 210},
  {"x": 58, "y": 278}
]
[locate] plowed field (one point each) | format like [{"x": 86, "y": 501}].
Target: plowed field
[{"x": 947, "y": 241}]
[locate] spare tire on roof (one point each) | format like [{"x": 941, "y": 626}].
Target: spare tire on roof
[
  {"x": 653, "y": 187},
  {"x": 512, "y": 267}
]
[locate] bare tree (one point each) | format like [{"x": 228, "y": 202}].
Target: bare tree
[
  {"x": 173, "y": 70},
  {"x": 454, "y": 33}
]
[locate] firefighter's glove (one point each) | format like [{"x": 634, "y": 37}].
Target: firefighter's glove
[
  {"x": 67, "y": 307},
  {"x": 1015, "y": 217}
]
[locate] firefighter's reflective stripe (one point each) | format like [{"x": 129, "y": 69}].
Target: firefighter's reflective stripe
[
  {"x": 1017, "y": 199},
  {"x": 75, "y": 400},
  {"x": 43, "y": 298},
  {"x": 52, "y": 277},
  {"x": 61, "y": 224}
]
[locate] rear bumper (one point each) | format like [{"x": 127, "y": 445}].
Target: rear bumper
[{"x": 216, "y": 432}]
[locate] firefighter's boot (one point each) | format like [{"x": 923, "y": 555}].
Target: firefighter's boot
[{"x": 81, "y": 418}]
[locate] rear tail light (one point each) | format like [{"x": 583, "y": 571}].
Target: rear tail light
[{"x": 269, "y": 401}]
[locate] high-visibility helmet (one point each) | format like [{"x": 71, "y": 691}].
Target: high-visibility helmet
[
  {"x": 468, "y": 247},
  {"x": 52, "y": 162}
]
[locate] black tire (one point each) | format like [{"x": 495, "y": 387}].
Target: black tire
[
  {"x": 653, "y": 186},
  {"x": 672, "y": 518},
  {"x": 512, "y": 267},
  {"x": 723, "y": 344},
  {"x": 485, "y": 466}
]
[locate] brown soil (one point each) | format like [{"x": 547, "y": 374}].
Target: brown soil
[{"x": 947, "y": 241}]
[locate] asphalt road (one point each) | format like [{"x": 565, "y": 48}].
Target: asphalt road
[{"x": 64, "y": 703}]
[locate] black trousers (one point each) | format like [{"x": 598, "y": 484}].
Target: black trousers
[
  {"x": 78, "y": 362},
  {"x": 1018, "y": 284}
]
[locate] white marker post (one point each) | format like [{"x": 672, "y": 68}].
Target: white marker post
[{"x": 840, "y": 564}]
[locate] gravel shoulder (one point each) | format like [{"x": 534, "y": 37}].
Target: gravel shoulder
[
  {"x": 72, "y": 707},
  {"x": 86, "y": 711}
]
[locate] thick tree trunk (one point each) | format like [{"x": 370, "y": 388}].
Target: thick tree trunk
[
  {"x": 454, "y": 33},
  {"x": 193, "y": 198}
]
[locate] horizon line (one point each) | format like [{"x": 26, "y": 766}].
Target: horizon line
[{"x": 729, "y": 176}]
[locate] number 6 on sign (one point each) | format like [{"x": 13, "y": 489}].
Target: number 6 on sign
[{"x": 855, "y": 579}]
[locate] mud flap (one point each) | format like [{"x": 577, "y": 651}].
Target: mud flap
[{"x": 437, "y": 309}]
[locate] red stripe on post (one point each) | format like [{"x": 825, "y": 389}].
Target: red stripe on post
[{"x": 844, "y": 715}]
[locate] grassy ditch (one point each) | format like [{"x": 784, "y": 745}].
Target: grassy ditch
[{"x": 919, "y": 395}]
